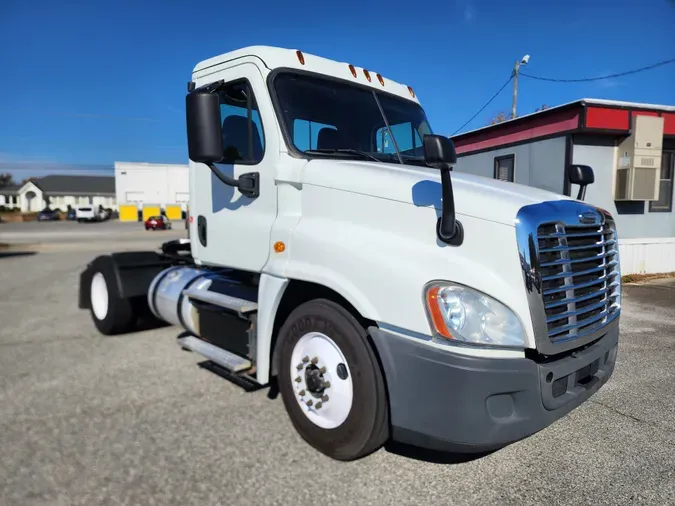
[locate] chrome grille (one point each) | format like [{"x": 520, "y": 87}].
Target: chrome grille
[{"x": 580, "y": 283}]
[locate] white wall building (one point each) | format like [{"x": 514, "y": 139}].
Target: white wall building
[{"x": 152, "y": 186}]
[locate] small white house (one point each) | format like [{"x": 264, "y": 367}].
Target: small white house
[{"x": 59, "y": 192}]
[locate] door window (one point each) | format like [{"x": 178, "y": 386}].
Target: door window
[
  {"x": 243, "y": 136},
  {"x": 407, "y": 138}
]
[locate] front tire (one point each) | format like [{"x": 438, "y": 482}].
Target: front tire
[
  {"x": 111, "y": 314},
  {"x": 339, "y": 405}
]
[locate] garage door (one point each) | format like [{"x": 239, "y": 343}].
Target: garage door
[
  {"x": 150, "y": 210},
  {"x": 174, "y": 212},
  {"x": 128, "y": 212}
]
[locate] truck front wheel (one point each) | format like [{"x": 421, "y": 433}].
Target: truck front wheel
[{"x": 331, "y": 382}]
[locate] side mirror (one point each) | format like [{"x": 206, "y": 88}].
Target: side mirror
[
  {"x": 205, "y": 138},
  {"x": 583, "y": 176},
  {"x": 439, "y": 152},
  {"x": 205, "y": 141}
]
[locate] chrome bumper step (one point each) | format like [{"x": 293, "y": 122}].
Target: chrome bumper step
[
  {"x": 242, "y": 306},
  {"x": 217, "y": 355}
]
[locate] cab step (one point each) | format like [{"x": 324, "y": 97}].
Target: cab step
[
  {"x": 225, "y": 359},
  {"x": 241, "y": 306},
  {"x": 241, "y": 380}
]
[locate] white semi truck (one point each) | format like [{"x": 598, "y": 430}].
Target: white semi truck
[{"x": 333, "y": 254}]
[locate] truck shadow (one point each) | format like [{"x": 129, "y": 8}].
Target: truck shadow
[
  {"x": 432, "y": 456},
  {"x": 10, "y": 254},
  {"x": 224, "y": 196}
]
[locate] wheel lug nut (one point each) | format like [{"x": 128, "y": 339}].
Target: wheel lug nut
[
  {"x": 299, "y": 366},
  {"x": 302, "y": 393},
  {"x": 326, "y": 384},
  {"x": 315, "y": 360},
  {"x": 305, "y": 359},
  {"x": 310, "y": 402},
  {"x": 318, "y": 405},
  {"x": 324, "y": 398},
  {"x": 298, "y": 379},
  {"x": 322, "y": 370}
]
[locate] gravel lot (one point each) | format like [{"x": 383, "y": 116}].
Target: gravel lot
[{"x": 89, "y": 420}]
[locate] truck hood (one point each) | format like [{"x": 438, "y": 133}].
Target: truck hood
[{"x": 476, "y": 196}]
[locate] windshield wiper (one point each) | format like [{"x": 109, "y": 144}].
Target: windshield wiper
[{"x": 362, "y": 154}]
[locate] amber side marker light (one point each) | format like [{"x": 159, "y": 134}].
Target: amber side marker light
[
  {"x": 436, "y": 315},
  {"x": 352, "y": 70},
  {"x": 279, "y": 247},
  {"x": 301, "y": 57},
  {"x": 379, "y": 78},
  {"x": 367, "y": 74},
  {"x": 412, "y": 93}
]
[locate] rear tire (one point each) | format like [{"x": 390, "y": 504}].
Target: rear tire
[
  {"x": 355, "y": 417},
  {"x": 111, "y": 314}
]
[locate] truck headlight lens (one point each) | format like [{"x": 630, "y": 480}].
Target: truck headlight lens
[{"x": 462, "y": 314}]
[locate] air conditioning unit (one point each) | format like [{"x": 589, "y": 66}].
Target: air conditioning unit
[{"x": 639, "y": 162}]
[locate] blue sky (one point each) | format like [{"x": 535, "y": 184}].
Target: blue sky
[{"x": 88, "y": 83}]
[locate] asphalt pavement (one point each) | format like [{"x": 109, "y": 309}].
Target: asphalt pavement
[
  {"x": 97, "y": 236},
  {"x": 93, "y": 420}
]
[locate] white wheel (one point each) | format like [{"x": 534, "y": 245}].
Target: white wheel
[
  {"x": 321, "y": 380},
  {"x": 323, "y": 356},
  {"x": 99, "y": 296}
]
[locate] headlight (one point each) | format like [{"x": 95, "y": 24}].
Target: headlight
[{"x": 462, "y": 314}]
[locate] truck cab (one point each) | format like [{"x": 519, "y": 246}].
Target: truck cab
[{"x": 334, "y": 253}]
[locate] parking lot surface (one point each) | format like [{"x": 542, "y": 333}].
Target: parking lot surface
[
  {"x": 89, "y": 420},
  {"x": 71, "y": 235}
]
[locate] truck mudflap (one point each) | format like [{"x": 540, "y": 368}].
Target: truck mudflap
[
  {"x": 450, "y": 402},
  {"x": 133, "y": 273}
]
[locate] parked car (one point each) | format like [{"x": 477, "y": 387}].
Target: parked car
[
  {"x": 90, "y": 214},
  {"x": 157, "y": 222},
  {"x": 49, "y": 214}
]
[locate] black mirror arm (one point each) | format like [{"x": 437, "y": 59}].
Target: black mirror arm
[
  {"x": 448, "y": 229},
  {"x": 582, "y": 192},
  {"x": 248, "y": 184}
]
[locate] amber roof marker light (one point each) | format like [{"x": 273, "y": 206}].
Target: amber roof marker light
[
  {"x": 301, "y": 57},
  {"x": 412, "y": 93},
  {"x": 367, "y": 74},
  {"x": 380, "y": 78},
  {"x": 352, "y": 70}
]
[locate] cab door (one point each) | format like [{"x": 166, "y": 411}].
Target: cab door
[{"x": 228, "y": 228}]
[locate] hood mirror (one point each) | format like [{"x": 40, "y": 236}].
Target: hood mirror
[
  {"x": 581, "y": 175},
  {"x": 439, "y": 152}
]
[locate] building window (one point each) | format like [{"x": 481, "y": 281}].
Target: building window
[
  {"x": 505, "y": 167},
  {"x": 665, "y": 202},
  {"x": 243, "y": 137}
]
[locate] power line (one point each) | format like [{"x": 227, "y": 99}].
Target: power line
[
  {"x": 486, "y": 104},
  {"x": 610, "y": 76}
]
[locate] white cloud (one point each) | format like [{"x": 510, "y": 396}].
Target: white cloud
[{"x": 469, "y": 12}]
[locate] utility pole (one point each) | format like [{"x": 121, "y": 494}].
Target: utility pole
[{"x": 516, "y": 69}]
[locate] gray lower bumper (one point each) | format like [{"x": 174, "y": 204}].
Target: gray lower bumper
[{"x": 446, "y": 401}]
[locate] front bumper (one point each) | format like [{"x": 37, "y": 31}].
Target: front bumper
[{"x": 451, "y": 402}]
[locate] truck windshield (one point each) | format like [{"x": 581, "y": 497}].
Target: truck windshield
[{"x": 334, "y": 118}]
